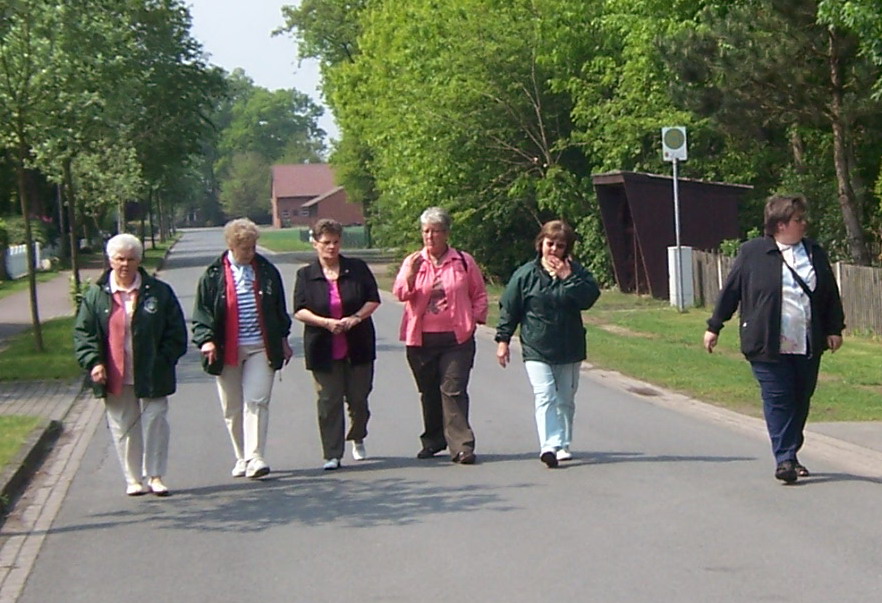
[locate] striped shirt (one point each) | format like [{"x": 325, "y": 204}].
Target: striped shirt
[{"x": 249, "y": 321}]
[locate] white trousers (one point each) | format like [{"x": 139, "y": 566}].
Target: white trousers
[
  {"x": 140, "y": 433},
  {"x": 554, "y": 392},
  {"x": 244, "y": 392}
]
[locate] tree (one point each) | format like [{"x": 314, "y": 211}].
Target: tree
[
  {"x": 246, "y": 189},
  {"x": 773, "y": 68}
]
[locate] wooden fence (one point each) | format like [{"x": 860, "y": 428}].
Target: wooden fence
[{"x": 860, "y": 287}]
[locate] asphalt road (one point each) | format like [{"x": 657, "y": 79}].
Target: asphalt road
[{"x": 658, "y": 505}]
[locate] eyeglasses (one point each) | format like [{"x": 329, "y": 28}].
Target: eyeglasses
[{"x": 555, "y": 244}]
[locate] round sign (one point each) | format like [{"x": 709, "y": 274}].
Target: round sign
[{"x": 674, "y": 138}]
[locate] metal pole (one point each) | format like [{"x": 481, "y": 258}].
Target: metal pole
[{"x": 681, "y": 307}]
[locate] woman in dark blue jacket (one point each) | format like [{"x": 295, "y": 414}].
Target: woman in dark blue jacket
[
  {"x": 790, "y": 312},
  {"x": 334, "y": 297}
]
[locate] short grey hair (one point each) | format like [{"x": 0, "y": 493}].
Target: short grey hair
[
  {"x": 241, "y": 230},
  {"x": 437, "y": 215},
  {"x": 123, "y": 243}
]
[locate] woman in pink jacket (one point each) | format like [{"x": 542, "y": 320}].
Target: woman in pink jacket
[{"x": 445, "y": 299}]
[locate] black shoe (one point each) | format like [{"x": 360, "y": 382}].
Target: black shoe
[
  {"x": 464, "y": 458},
  {"x": 786, "y": 472},
  {"x": 801, "y": 470},
  {"x": 429, "y": 451},
  {"x": 549, "y": 458}
]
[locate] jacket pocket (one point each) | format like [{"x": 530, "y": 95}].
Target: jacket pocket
[{"x": 752, "y": 339}]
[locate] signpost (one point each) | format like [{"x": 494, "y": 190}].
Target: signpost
[{"x": 674, "y": 150}]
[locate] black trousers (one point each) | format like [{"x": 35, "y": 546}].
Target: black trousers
[{"x": 441, "y": 368}]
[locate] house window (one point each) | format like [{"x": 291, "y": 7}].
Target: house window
[{"x": 285, "y": 214}]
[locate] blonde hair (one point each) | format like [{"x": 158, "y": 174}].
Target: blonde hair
[{"x": 241, "y": 230}]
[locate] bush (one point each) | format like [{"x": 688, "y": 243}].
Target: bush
[{"x": 43, "y": 232}]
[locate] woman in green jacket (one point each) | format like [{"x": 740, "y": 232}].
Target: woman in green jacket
[
  {"x": 546, "y": 297},
  {"x": 241, "y": 326},
  {"x": 129, "y": 334}
]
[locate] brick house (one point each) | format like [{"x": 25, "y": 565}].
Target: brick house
[{"x": 304, "y": 193}]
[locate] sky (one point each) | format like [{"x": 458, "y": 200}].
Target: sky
[{"x": 237, "y": 33}]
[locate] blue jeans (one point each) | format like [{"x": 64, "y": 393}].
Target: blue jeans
[
  {"x": 787, "y": 387},
  {"x": 554, "y": 391}
]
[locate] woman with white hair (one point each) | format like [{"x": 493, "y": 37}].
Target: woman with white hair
[
  {"x": 241, "y": 326},
  {"x": 445, "y": 299},
  {"x": 129, "y": 334}
]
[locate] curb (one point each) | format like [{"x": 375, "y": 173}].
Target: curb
[{"x": 22, "y": 467}]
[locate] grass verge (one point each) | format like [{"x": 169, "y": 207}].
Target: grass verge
[
  {"x": 19, "y": 360},
  {"x": 286, "y": 239},
  {"x": 647, "y": 339},
  {"x": 14, "y": 430}
]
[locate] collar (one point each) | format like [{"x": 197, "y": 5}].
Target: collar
[{"x": 115, "y": 287}]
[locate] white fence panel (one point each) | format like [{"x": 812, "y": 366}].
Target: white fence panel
[{"x": 17, "y": 260}]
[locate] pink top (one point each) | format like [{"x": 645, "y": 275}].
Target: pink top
[
  {"x": 339, "y": 346},
  {"x": 449, "y": 297}
]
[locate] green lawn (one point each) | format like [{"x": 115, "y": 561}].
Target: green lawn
[
  {"x": 649, "y": 340},
  {"x": 14, "y": 430},
  {"x": 19, "y": 361},
  {"x": 288, "y": 239}
]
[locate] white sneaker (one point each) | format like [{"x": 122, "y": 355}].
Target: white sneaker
[
  {"x": 157, "y": 487},
  {"x": 257, "y": 467},
  {"x": 240, "y": 468},
  {"x": 135, "y": 489},
  {"x": 331, "y": 464},
  {"x": 564, "y": 454},
  {"x": 358, "y": 451}
]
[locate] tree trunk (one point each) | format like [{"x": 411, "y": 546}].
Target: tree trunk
[
  {"x": 798, "y": 149},
  {"x": 29, "y": 242},
  {"x": 150, "y": 217},
  {"x": 72, "y": 224},
  {"x": 857, "y": 244}
]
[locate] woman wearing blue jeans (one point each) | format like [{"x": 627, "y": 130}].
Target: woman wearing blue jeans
[
  {"x": 546, "y": 297},
  {"x": 790, "y": 312}
]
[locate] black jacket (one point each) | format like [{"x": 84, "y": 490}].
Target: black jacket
[
  {"x": 159, "y": 334},
  {"x": 754, "y": 284},
  {"x": 357, "y": 285},
  {"x": 210, "y": 312}
]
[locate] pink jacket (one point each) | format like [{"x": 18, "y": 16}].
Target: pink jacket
[{"x": 466, "y": 292}]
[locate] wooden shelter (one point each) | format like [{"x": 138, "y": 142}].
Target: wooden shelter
[{"x": 638, "y": 216}]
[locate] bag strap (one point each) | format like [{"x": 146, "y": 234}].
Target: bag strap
[{"x": 796, "y": 276}]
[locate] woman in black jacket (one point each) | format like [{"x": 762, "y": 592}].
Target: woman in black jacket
[
  {"x": 790, "y": 312},
  {"x": 334, "y": 297}
]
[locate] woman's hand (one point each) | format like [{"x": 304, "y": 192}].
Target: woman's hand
[
  {"x": 710, "y": 341},
  {"x": 414, "y": 269},
  {"x": 99, "y": 374},
  {"x": 287, "y": 352},
  {"x": 209, "y": 350},
  {"x": 503, "y": 353},
  {"x": 333, "y": 325},
  {"x": 561, "y": 266},
  {"x": 834, "y": 342},
  {"x": 349, "y": 322}
]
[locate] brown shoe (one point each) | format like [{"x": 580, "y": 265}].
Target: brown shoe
[{"x": 465, "y": 458}]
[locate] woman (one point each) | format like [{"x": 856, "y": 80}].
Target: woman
[
  {"x": 334, "y": 297},
  {"x": 445, "y": 299},
  {"x": 241, "y": 326},
  {"x": 129, "y": 334},
  {"x": 790, "y": 313},
  {"x": 546, "y": 297}
]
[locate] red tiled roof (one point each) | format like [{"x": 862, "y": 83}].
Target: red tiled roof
[
  {"x": 302, "y": 179},
  {"x": 321, "y": 198}
]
